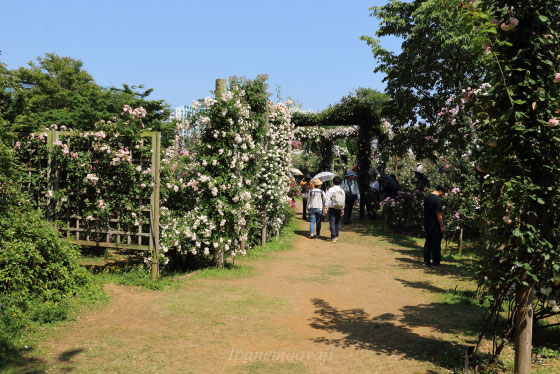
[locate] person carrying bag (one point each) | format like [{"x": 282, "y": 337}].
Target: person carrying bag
[{"x": 315, "y": 205}]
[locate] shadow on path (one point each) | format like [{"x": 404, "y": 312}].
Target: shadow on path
[
  {"x": 385, "y": 335},
  {"x": 68, "y": 355},
  {"x": 422, "y": 285}
]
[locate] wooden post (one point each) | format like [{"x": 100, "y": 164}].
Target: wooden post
[
  {"x": 265, "y": 218},
  {"x": 221, "y": 87},
  {"x": 52, "y": 175},
  {"x": 460, "y": 242},
  {"x": 263, "y": 230},
  {"x": 154, "y": 204},
  {"x": 523, "y": 328}
]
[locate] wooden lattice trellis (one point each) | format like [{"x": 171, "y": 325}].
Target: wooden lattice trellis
[{"x": 113, "y": 234}]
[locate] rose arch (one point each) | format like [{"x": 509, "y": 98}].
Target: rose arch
[{"x": 358, "y": 115}]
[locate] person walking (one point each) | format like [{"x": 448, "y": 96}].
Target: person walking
[
  {"x": 334, "y": 207},
  {"x": 316, "y": 205},
  {"x": 373, "y": 196},
  {"x": 433, "y": 226},
  {"x": 350, "y": 187},
  {"x": 306, "y": 186}
]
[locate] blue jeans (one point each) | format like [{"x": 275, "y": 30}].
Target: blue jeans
[
  {"x": 334, "y": 220},
  {"x": 315, "y": 217}
]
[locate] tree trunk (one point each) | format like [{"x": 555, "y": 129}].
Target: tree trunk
[
  {"x": 523, "y": 329},
  {"x": 219, "y": 257}
]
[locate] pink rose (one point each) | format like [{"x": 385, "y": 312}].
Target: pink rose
[
  {"x": 553, "y": 122},
  {"x": 557, "y": 77},
  {"x": 512, "y": 23},
  {"x": 487, "y": 48}
]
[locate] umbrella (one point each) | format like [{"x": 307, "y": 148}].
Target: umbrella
[
  {"x": 324, "y": 176},
  {"x": 423, "y": 178},
  {"x": 390, "y": 183},
  {"x": 295, "y": 171}
]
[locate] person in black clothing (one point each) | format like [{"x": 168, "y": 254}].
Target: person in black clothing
[
  {"x": 397, "y": 182},
  {"x": 433, "y": 226},
  {"x": 306, "y": 186}
]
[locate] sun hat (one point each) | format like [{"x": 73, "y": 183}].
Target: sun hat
[
  {"x": 316, "y": 182},
  {"x": 350, "y": 173}
]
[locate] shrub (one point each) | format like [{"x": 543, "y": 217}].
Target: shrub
[
  {"x": 35, "y": 263},
  {"x": 404, "y": 214}
]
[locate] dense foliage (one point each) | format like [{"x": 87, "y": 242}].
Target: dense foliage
[
  {"x": 100, "y": 175},
  {"x": 519, "y": 141},
  {"x": 34, "y": 262},
  {"x": 234, "y": 180},
  {"x": 437, "y": 60},
  {"x": 480, "y": 93},
  {"x": 57, "y": 90}
]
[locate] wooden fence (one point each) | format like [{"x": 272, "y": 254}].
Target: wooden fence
[{"x": 113, "y": 233}]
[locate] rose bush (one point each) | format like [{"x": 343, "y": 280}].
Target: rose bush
[
  {"x": 234, "y": 180},
  {"x": 101, "y": 175}
]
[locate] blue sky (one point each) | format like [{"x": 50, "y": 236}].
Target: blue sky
[{"x": 311, "y": 49}]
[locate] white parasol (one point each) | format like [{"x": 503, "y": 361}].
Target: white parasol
[{"x": 324, "y": 176}]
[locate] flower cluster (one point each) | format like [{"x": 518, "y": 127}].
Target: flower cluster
[
  {"x": 100, "y": 174},
  {"x": 276, "y": 158},
  {"x": 316, "y": 133},
  {"x": 234, "y": 175}
]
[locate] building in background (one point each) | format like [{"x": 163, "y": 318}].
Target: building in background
[{"x": 183, "y": 114}]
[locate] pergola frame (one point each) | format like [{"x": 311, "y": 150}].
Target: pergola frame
[{"x": 351, "y": 111}]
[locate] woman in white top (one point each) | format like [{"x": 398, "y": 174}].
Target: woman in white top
[{"x": 315, "y": 206}]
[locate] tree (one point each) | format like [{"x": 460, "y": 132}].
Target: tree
[
  {"x": 519, "y": 152},
  {"x": 57, "y": 90},
  {"x": 437, "y": 60}
]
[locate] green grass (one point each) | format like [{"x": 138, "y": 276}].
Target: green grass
[
  {"x": 38, "y": 323},
  {"x": 41, "y": 319},
  {"x": 287, "y": 236},
  {"x": 262, "y": 367},
  {"x": 325, "y": 275},
  {"x": 137, "y": 276},
  {"x": 229, "y": 272},
  {"x": 240, "y": 266},
  {"x": 460, "y": 298}
]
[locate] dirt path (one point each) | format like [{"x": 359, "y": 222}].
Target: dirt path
[{"x": 362, "y": 305}]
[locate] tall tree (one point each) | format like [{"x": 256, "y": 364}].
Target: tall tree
[
  {"x": 436, "y": 61},
  {"x": 57, "y": 90},
  {"x": 519, "y": 119}
]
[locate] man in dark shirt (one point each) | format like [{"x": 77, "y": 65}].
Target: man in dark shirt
[{"x": 433, "y": 226}]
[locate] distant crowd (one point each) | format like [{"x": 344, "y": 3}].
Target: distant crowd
[{"x": 335, "y": 202}]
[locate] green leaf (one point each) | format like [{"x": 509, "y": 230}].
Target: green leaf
[
  {"x": 543, "y": 18},
  {"x": 540, "y": 201}
]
